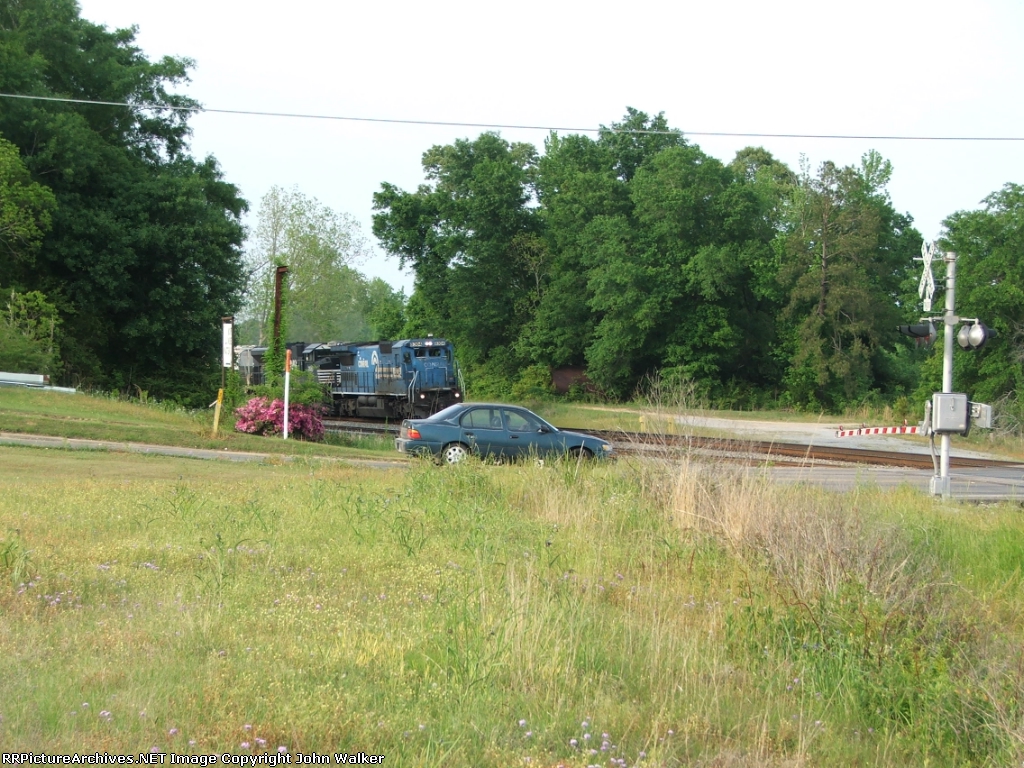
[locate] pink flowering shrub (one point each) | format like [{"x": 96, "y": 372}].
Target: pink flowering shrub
[{"x": 262, "y": 417}]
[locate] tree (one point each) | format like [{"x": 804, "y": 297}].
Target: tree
[
  {"x": 144, "y": 250},
  {"x": 584, "y": 190},
  {"x": 674, "y": 292},
  {"x": 29, "y": 334},
  {"x": 989, "y": 244},
  {"x": 25, "y": 208},
  {"x": 847, "y": 255},
  {"x": 577, "y": 183},
  {"x": 650, "y": 250},
  {"x": 467, "y": 235},
  {"x": 328, "y": 299},
  {"x": 385, "y": 310}
]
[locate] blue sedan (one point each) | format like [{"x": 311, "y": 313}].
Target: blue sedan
[{"x": 488, "y": 429}]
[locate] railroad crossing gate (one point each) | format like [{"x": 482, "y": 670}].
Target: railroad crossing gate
[{"x": 861, "y": 431}]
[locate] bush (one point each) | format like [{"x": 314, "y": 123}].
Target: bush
[
  {"x": 261, "y": 416},
  {"x": 534, "y": 382}
]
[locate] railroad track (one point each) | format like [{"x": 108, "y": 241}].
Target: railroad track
[
  {"x": 728, "y": 449},
  {"x": 793, "y": 453},
  {"x": 356, "y": 426}
]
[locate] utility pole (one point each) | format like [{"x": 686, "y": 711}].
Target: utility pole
[
  {"x": 278, "y": 279},
  {"x": 940, "y": 485},
  {"x": 948, "y": 413}
]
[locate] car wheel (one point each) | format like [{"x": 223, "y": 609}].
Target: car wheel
[
  {"x": 581, "y": 453},
  {"x": 453, "y": 453}
]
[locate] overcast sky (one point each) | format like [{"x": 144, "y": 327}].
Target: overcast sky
[{"x": 872, "y": 67}]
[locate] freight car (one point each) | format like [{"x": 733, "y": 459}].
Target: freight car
[{"x": 411, "y": 378}]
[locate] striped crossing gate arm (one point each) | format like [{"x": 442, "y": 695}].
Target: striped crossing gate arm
[{"x": 861, "y": 431}]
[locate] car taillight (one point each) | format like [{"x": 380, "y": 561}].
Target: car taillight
[{"x": 414, "y": 434}]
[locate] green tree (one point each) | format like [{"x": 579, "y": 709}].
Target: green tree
[
  {"x": 674, "y": 291},
  {"x": 989, "y": 244},
  {"x": 30, "y": 331},
  {"x": 847, "y": 257},
  {"x": 327, "y": 297},
  {"x": 385, "y": 310},
  {"x": 467, "y": 236},
  {"x": 578, "y": 183},
  {"x": 25, "y": 208},
  {"x": 651, "y": 248},
  {"x": 586, "y": 210},
  {"x": 144, "y": 249}
]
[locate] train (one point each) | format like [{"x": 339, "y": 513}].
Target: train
[{"x": 406, "y": 379}]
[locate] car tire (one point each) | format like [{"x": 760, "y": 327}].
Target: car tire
[
  {"x": 453, "y": 453},
  {"x": 581, "y": 453}
]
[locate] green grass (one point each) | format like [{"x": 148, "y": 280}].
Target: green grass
[
  {"x": 102, "y": 418},
  {"x": 694, "y": 616}
]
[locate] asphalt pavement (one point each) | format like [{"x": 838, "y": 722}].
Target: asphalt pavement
[{"x": 974, "y": 484}]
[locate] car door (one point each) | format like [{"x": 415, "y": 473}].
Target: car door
[
  {"x": 528, "y": 435},
  {"x": 484, "y": 432}
]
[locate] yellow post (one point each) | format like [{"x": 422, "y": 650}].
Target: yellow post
[{"x": 216, "y": 411}]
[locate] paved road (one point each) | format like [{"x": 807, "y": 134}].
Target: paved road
[
  {"x": 978, "y": 484},
  {"x": 974, "y": 484}
]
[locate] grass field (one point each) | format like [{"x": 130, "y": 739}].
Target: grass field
[
  {"x": 616, "y": 614},
  {"x": 487, "y": 615},
  {"x": 102, "y": 418}
]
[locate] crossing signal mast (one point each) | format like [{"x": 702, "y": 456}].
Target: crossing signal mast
[{"x": 949, "y": 412}]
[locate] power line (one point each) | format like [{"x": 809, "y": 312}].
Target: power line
[{"x": 449, "y": 123}]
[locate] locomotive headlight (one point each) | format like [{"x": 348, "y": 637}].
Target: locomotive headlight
[
  {"x": 458, "y": 394},
  {"x": 422, "y": 396}
]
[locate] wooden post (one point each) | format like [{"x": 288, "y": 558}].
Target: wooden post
[
  {"x": 278, "y": 278},
  {"x": 216, "y": 411}
]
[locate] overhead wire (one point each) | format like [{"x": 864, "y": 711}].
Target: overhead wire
[{"x": 505, "y": 126}]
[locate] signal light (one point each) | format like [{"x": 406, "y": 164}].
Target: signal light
[
  {"x": 924, "y": 333},
  {"x": 974, "y": 335}
]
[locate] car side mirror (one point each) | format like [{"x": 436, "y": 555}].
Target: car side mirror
[{"x": 544, "y": 430}]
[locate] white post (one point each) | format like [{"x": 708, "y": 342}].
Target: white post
[
  {"x": 941, "y": 484},
  {"x": 287, "y": 377}
]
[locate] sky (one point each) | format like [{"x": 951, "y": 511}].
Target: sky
[{"x": 865, "y": 68}]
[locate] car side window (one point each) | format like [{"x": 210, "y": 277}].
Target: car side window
[
  {"x": 519, "y": 422},
  {"x": 482, "y": 418}
]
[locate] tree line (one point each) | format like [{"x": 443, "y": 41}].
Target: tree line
[
  {"x": 624, "y": 254},
  {"x": 635, "y": 252},
  {"x": 119, "y": 251},
  {"x": 106, "y": 218}
]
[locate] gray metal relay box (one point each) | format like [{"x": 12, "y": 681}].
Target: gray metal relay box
[
  {"x": 981, "y": 415},
  {"x": 950, "y": 413}
]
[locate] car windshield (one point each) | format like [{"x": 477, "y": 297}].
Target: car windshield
[{"x": 448, "y": 413}]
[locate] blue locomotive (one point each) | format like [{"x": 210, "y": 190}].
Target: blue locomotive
[{"x": 406, "y": 379}]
